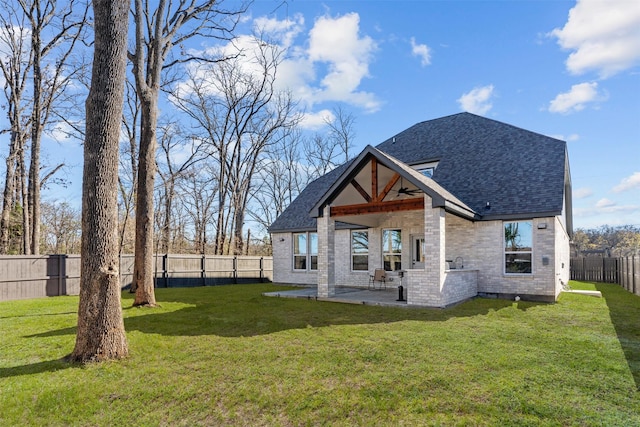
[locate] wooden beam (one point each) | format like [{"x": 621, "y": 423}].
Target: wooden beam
[
  {"x": 374, "y": 178},
  {"x": 388, "y": 187},
  {"x": 379, "y": 207},
  {"x": 361, "y": 190}
]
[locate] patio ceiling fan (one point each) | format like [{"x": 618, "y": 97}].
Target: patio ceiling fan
[{"x": 406, "y": 191}]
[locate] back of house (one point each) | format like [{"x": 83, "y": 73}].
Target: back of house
[{"x": 453, "y": 208}]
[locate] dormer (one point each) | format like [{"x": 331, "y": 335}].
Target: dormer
[{"x": 427, "y": 168}]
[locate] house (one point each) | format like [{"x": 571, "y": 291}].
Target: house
[{"x": 453, "y": 208}]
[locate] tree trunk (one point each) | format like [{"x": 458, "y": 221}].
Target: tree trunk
[
  {"x": 169, "y": 194},
  {"x": 237, "y": 235},
  {"x": 36, "y": 133},
  {"x": 26, "y": 207},
  {"x": 101, "y": 334},
  {"x": 8, "y": 199},
  {"x": 143, "y": 263}
]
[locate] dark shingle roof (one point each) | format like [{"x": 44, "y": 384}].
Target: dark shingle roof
[{"x": 480, "y": 160}]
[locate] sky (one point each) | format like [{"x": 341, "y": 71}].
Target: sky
[{"x": 566, "y": 69}]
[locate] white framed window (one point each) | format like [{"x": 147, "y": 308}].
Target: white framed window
[
  {"x": 518, "y": 247},
  {"x": 313, "y": 251},
  {"x": 305, "y": 251},
  {"x": 360, "y": 250},
  {"x": 426, "y": 169},
  {"x": 392, "y": 249}
]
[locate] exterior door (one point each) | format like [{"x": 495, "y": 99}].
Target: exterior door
[{"x": 417, "y": 251}]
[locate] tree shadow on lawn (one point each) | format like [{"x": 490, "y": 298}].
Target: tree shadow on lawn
[
  {"x": 231, "y": 311},
  {"x": 624, "y": 310},
  {"x": 35, "y": 368}
]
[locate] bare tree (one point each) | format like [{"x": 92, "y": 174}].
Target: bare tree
[
  {"x": 158, "y": 29},
  {"x": 62, "y": 227},
  {"x": 242, "y": 113},
  {"x": 15, "y": 62},
  {"x": 50, "y": 75},
  {"x": 199, "y": 189},
  {"x": 621, "y": 240},
  {"x": 341, "y": 132},
  {"x": 324, "y": 152},
  {"x": 178, "y": 155},
  {"x": 320, "y": 155},
  {"x": 280, "y": 179},
  {"x": 127, "y": 179},
  {"x": 101, "y": 334}
]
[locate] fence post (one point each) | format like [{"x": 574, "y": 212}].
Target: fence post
[
  {"x": 165, "y": 269},
  {"x": 235, "y": 269},
  {"x": 261, "y": 269},
  {"x": 203, "y": 266},
  {"x": 60, "y": 273},
  {"x": 633, "y": 274}
]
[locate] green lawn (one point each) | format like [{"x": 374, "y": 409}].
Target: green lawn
[{"x": 229, "y": 356}]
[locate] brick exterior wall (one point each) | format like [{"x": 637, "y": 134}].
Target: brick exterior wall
[
  {"x": 480, "y": 244},
  {"x": 283, "y": 262},
  {"x": 326, "y": 255},
  {"x": 458, "y": 285},
  {"x": 563, "y": 255},
  {"x": 485, "y": 251}
]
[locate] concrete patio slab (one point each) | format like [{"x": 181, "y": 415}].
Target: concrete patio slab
[{"x": 387, "y": 298}]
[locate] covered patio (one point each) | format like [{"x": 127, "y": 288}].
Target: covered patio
[
  {"x": 386, "y": 297},
  {"x": 381, "y": 195}
]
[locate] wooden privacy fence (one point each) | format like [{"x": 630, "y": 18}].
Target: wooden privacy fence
[
  {"x": 35, "y": 276},
  {"x": 173, "y": 270},
  {"x": 624, "y": 271}
]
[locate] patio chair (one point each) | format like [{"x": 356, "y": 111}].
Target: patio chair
[{"x": 380, "y": 277}]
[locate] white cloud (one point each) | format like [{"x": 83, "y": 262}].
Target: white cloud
[
  {"x": 582, "y": 193},
  {"x": 628, "y": 183},
  {"x": 611, "y": 215},
  {"x": 311, "y": 68},
  {"x": 576, "y": 99},
  {"x": 568, "y": 138},
  {"x": 478, "y": 100},
  {"x": 314, "y": 121},
  {"x": 603, "y": 36},
  {"x": 421, "y": 51},
  {"x": 347, "y": 65},
  {"x": 64, "y": 133},
  {"x": 605, "y": 203},
  {"x": 283, "y": 32}
]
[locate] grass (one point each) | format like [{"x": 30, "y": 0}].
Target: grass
[{"x": 229, "y": 356}]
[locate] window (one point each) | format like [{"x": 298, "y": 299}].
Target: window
[
  {"x": 428, "y": 172},
  {"x": 392, "y": 250},
  {"x": 426, "y": 169},
  {"x": 518, "y": 247},
  {"x": 313, "y": 251},
  {"x": 300, "y": 251},
  {"x": 360, "y": 250},
  {"x": 305, "y": 251}
]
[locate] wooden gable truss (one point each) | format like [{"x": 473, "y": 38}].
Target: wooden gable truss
[{"x": 375, "y": 202}]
